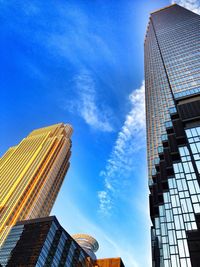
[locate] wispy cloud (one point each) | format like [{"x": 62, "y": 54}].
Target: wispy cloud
[
  {"x": 121, "y": 162},
  {"x": 87, "y": 106},
  {"x": 193, "y": 5},
  {"x": 65, "y": 32},
  {"x": 74, "y": 39}
]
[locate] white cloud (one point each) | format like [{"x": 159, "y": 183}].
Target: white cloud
[
  {"x": 94, "y": 113},
  {"x": 193, "y": 5},
  {"x": 130, "y": 140}
]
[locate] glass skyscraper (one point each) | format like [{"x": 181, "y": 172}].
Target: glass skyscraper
[
  {"x": 31, "y": 175},
  {"x": 172, "y": 82}
]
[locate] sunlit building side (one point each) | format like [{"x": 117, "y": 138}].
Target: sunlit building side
[{"x": 31, "y": 174}]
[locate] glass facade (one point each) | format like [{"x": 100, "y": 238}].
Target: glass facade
[
  {"x": 156, "y": 114},
  {"x": 9, "y": 244},
  {"x": 177, "y": 32},
  {"x": 172, "y": 81}
]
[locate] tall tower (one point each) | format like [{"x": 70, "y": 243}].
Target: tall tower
[
  {"x": 172, "y": 81},
  {"x": 31, "y": 175}
]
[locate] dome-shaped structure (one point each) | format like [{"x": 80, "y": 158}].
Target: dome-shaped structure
[{"x": 88, "y": 243}]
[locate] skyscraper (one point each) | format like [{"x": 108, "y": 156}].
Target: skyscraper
[
  {"x": 172, "y": 81},
  {"x": 31, "y": 175}
]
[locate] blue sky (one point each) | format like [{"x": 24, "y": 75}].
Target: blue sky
[{"x": 81, "y": 62}]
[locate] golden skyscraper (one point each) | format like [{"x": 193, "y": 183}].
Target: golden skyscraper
[{"x": 31, "y": 175}]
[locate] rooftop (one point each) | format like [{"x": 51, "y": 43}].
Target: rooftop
[{"x": 163, "y": 8}]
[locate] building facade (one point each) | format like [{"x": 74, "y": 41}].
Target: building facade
[
  {"x": 41, "y": 242},
  {"x": 31, "y": 175},
  {"x": 109, "y": 262},
  {"x": 44, "y": 242},
  {"x": 172, "y": 91}
]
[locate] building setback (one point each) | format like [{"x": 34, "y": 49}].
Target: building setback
[
  {"x": 172, "y": 90},
  {"x": 31, "y": 175}
]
